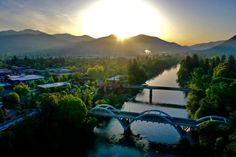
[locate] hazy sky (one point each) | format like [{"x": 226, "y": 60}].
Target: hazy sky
[{"x": 181, "y": 21}]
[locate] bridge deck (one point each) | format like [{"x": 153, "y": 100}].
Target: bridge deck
[
  {"x": 156, "y": 87},
  {"x": 147, "y": 117}
]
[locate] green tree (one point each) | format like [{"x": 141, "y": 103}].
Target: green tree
[
  {"x": 96, "y": 72},
  {"x": 51, "y": 80},
  {"x": 102, "y": 101},
  {"x": 187, "y": 66},
  {"x": 68, "y": 87},
  {"x": 213, "y": 87},
  {"x": 1, "y": 90},
  {"x": 87, "y": 97},
  {"x": 48, "y": 101},
  {"x": 76, "y": 76},
  {"x": 136, "y": 73},
  {"x": 73, "y": 110},
  {"x": 13, "y": 99},
  {"x": 231, "y": 146},
  {"x": 2, "y": 116},
  {"x": 204, "y": 139},
  {"x": 63, "y": 78},
  {"x": 21, "y": 89},
  {"x": 222, "y": 70},
  {"x": 41, "y": 81}
]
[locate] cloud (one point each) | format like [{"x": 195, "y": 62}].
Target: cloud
[{"x": 54, "y": 16}]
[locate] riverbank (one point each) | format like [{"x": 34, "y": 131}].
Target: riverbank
[{"x": 162, "y": 104}]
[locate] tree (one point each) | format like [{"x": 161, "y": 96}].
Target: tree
[
  {"x": 96, "y": 72},
  {"x": 199, "y": 81},
  {"x": 86, "y": 96},
  {"x": 204, "y": 139},
  {"x": 73, "y": 110},
  {"x": 51, "y": 80},
  {"x": 48, "y": 101},
  {"x": 21, "y": 89},
  {"x": 102, "y": 101},
  {"x": 136, "y": 72},
  {"x": 41, "y": 81},
  {"x": 222, "y": 70},
  {"x": 63, "y": 78},
  {"x": 1, "y": 90},
  {"x": 187, "y": 66},
  {"x": 76, "y": 76},
  {"x": 213, "y": 87},
  {"x": 68, "y": 87},
  {"x": 231, "y": 146},
  {"x": 13, "y": 99},
  {"x": 2, "y": 116}
]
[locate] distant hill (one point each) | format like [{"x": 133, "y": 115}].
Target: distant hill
[
  {"x": 72, "y": 38},
  {"x": 156, "y": 45},
  {"x": 31, "y": 42},
  {"x": 23, "y": 32},
  {"x": 204, "y": 46},
  {"x": 111, "y": 46},
  {"x": 228, "y": 47},
  {"x": 28, "y": 41}
]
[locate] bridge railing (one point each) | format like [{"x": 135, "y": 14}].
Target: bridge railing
[
  {"x": 218, "y": 119},
  {"x": 156, "y": 87}
]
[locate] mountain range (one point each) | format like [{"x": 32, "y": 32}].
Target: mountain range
[
  {"x": 37, "y": 43},
  {"x": 205, "y": 46},
  {"x": 227, "y": 47}
]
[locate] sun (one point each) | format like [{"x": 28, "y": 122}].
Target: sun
[{"x": 124, "y": 18}]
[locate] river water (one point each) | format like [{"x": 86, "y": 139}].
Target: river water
[{"x": 145, "y": 132}]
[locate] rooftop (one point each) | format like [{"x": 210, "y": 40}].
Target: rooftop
[
  {"x": 25, "y": 77},
  {"x": 53, "y": 85},
  {"x": 4, "y": 84},
  {"x": 5, "y": 71},
  {"x": 115, "y": 78}
]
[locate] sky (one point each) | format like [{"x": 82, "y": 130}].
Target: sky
[{"x": 182, "y": 21}]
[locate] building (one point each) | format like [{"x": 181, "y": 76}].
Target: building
[
  {"x": 5, "y": 85},
  {"x": 4, "y": 72},
  {"x": 115, "y": 78},
  {"x": 16, "y": 79},
  {"x": 53, "y": 85}
]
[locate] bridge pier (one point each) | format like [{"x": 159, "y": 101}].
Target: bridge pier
[
  {"x": 185, "y": 134},
  {"x": 150, "y": 96},
  {"x": 126, "y": 126},
  {"x": 128, "y": 131}
]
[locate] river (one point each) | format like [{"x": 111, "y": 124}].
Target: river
[{"x": 145, "y": 132}]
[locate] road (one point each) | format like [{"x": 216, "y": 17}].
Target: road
[{"x": 5, "y": 125}]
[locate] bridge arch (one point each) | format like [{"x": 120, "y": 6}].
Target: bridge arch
[
  {"x": 158, "y": 113},
  {"x": 105, "y": 106},
  {"x": 109, "y": 109},
  {"x": 126, "y": 123}
]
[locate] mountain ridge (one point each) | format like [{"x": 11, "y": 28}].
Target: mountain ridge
[
  {"x": 207, "y": 45},
  {"x": 35, "y": 42},
  {"x": 228, "y": 47}
]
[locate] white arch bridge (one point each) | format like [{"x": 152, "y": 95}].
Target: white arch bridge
[{"x": 182, "y": 125}]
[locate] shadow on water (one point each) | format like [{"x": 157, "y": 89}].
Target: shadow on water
[{"x": 123, "y": 145}]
